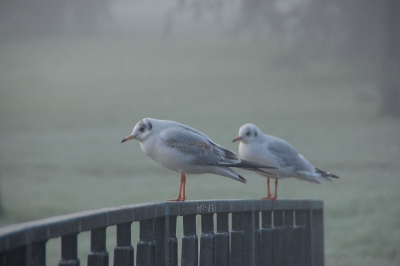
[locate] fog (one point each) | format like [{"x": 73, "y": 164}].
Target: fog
[
  {"x": 136, "y": 19},
  {"x": 76, "y": 76}
]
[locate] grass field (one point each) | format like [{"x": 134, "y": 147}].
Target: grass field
[{"x": 65, "y": 105}]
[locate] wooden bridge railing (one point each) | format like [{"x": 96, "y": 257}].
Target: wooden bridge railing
[{"x": 247, "y": 232}]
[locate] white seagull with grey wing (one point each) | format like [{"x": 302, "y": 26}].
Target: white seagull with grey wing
[
  {"x": 186, "y": 150},
  {"x": 265, "y": 149}
]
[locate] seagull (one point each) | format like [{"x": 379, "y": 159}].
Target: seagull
[
  {"x": 265, "y": 149},
  {"x": 186, "y": 150}
]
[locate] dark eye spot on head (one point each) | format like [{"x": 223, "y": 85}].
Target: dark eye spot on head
[
  {"x": 248, "y": 134},
  {"x": 142, "y": 128},
  {"x": 255, "y": 133}
]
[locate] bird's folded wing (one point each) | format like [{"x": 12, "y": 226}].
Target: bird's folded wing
[
  {"x": 287, "y": 156},
  {"x": 197, "y": 146}
]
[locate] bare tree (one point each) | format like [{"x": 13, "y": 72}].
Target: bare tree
[{"x": 360, "y": 32}]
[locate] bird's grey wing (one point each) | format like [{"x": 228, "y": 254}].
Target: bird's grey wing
[
  {"x": 190, "y": 143},
  {"x": 287, "y": 156},
  {"x": 226, "y": 156},
  {"x": 195, "y": 131}
]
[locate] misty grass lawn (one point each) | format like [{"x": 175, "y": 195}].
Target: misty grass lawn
[{"x": 66, "y": 104}]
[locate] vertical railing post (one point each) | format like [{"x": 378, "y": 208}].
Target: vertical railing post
[
  {"x": 318, "y": 237},
  {"x": 189, "y": 241},
  {"x": 207, "y": 240},
  {"x": 256, "y": 235},
  {"x": 123, "y": 252},
  {"x": 69, "y": 250},
  {"x": 299, "y": 239},
  {"x": 161, "y": 240},
  {"x": 15, "y": 256},
  {"x": 172, "y": 242},
  {"x": 98, "y": 255},
  {"x": 222, "y": 240},
  {"x": 288, "y": 237},
  {"x": 249, "y": 232},
  {"x": 237, "y": 239},
  {"x": 277, "y": 239},
  {"x": 37, "y": 253},
  {"x": 146, "y": 248},
  {"x": 308, "y": 238},
  {"x": 266, "y": 243}
]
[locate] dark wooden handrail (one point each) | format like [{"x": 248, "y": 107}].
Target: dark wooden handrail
[{"x": 247, "y": 232}]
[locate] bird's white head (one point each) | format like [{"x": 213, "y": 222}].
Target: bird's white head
[
  {"x": 142, "y": 130},
  {"x": 248, "y": 133}
]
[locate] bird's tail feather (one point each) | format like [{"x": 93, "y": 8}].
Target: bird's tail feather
[
  {"x": 325, "y": 174},
  {"x": 242, "y": 179},
  {"x": 247, "y": 164},
  {"x": 251, "y": 166},
  {"x": 259, "y": 170},
  {"x": 228, "y": 172}
]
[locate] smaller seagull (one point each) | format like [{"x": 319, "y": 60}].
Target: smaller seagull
[
  {"x": 265, "y": 149},
  {"x": 186, "y": 150}
]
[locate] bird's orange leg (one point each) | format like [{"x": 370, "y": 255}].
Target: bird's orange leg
[
  {"x": 182, "y": 189},
  {"x": 269, "y": 193},
  {"x": 276, "y": 190}
]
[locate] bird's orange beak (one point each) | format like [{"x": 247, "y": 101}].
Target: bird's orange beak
[
  {"x": 237, "y": 138},
  {"x": 127, "y": 138}
]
